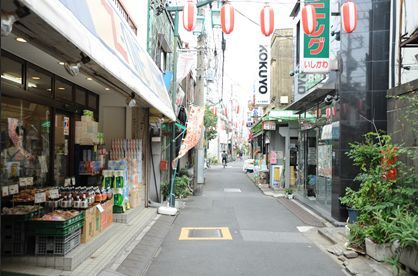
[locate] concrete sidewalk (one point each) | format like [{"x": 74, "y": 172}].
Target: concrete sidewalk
[{"x": 353, "y": 262}]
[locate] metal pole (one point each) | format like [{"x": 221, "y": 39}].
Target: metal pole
[
  {"x": 172, "y": 196},
  {"x": 200, "y": 101}
]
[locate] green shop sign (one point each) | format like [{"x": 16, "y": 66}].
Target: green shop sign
[{"x": 315, "y": 47}]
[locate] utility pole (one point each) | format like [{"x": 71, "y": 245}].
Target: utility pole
[{"x": 200, "y": 101}]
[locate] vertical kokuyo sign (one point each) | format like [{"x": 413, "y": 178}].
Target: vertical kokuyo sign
[
  {"x": 315, "y": 46},
  {"x": 262, "y": 92}
]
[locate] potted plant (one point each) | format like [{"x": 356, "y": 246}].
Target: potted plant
[
  {"x": 379, "y": 238},
  {"x": 352, "y": 200},
  {"x": 405, "y": 232},
  {"x": 289, "y": 193}
]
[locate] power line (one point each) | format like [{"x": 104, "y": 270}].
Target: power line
[{"x": 252, "y": 21}]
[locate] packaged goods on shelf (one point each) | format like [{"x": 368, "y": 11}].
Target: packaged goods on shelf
[{"x": 86, "y": 131}]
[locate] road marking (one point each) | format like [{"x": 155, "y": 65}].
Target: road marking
[
  {"x": 232, "y": 190},
  {"x": 303, "y": 229},
  {"x": 223, "y": 231}
]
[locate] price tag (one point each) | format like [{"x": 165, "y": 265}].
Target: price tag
[
  {"x": 67, "y": 182},
  {"x": 5, "y": 191},
  {"x": 22, "y": 181},
  {"x": 100, "y": 208},
  {"x": 53, "y": 194},
  {"x": 13, "y": 189},
  {"x": 29, "y": 181},
  {"x": 40, "y": 197}
]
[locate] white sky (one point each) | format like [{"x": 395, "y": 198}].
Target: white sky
[
  {"x": 242, "y": 44},
  {"x": 241, "y": 55}
]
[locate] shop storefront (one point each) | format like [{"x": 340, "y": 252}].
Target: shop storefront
[
  {"x": 316, "y": 137},
  {"x": 74, "y": 133}
]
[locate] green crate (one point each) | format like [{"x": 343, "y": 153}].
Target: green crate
[
  {"x": 56, "y": 232},
  {"x": 57, "y": 224},
  {"x": 24, "y": 217}
]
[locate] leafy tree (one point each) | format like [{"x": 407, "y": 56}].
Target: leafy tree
[{"x": 209, "y": 122}]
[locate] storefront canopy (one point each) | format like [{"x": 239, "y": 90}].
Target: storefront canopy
[
  {"x": 280, "y": 116},
  {"x": 98, "y": 30}
]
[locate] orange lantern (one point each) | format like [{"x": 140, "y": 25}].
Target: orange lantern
[
  {"x": 267, "y": 20},
  {"x": 189, "y": 15},
  {"x": 227, "y": 18},
  {"x": 309, "y": 19},
  {"x": 349, "y": 16}
]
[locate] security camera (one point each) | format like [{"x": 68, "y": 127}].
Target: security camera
[
  {"x": 72, "y": 68},
  {"x": 7, "y": 20}
]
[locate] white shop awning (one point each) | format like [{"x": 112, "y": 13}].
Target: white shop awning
[{"x": 97, "y": 29}]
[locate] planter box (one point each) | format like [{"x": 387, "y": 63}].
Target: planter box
[
  {"x": 409, "y": 258},
  {"x": 379, "y": 252},
  {"x": 352, "y": 215}
]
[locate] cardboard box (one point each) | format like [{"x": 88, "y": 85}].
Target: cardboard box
[
  {"x": 89, "y": 226},
  {"x": 134, "y": 198}
]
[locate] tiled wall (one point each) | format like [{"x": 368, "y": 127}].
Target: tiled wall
[{"x": 362, "y": 90}]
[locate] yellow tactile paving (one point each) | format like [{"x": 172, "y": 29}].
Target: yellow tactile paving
[{"x": 184, "y": 234}]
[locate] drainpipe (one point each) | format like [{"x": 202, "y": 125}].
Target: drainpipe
[{"x": 399, "y": 43}]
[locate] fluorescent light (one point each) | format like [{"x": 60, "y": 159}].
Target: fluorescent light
[
  {"x": 89, "y": 78},
  {"x": 21, "y": 39},
  {"x": 16, "y": 79},
  {"x": 36, "y": 78},
  {"x": 11, "y": 78},
  {"x": 61, "y": 88},
  {"x": 107, "y": 88},
  {"x": 61, "y": 63}
]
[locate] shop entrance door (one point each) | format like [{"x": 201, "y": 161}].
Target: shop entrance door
[
  {"x": 62, "y": 147},
  {"x": 308, "y": 160}
]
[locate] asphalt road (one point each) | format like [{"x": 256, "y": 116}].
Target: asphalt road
[{"x": 265, "y": 240}]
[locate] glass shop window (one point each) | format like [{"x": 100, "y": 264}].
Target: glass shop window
[
  {"x": 25, "y": 141},
  {"x": 63, "y": 90},
  {"x": 39, "y": 82},
  {"x": 80, "y": 96},
  {"x": 11, "y": 72},
  {"x": 92, "y": 101}
]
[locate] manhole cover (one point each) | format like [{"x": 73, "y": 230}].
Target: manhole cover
[
  {"x": 205, "y": 233},
  {"x": 232, "y": 190},
  {"x": 202, "y": 233}
]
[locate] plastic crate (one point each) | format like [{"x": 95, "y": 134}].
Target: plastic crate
[
  {"x": 61, "y": 246},
  {"x": 57, "y": 224},
  {"x": 56, "y": 232},
  {"x": 13, "y": 238},
  {"x": 13, "y": 248},
  {"x": 13, "y": 231},
  {"x": 24, "y": 217}
]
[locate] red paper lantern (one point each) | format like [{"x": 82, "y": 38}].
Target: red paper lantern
[
  {"x": 189, "y": 15},
  {"x": 349, "y": 16},
  {"x": 267, "y": 20},
  {"x": 309, "y": 19},
  {"x": 227, "y": 18}
]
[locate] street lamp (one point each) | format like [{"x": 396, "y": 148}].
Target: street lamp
[
  {"x": 216, "y": 18},
  {"x": 200, "y": 25}
]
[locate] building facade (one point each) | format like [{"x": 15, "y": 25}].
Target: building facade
[{"x": 337, "y": 107}]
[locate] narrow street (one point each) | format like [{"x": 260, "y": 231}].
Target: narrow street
[{"x": 265, "y": 238}]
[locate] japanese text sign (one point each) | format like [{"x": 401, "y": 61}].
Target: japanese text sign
[{"x": 315, "y": 46}]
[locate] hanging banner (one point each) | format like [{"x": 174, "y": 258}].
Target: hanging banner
[
  {"x": 194, "y": 131},
  {"x": 315, "y": 46},
  {"x": 186, "y": 62},
  {"x": 262, "y": 91}
]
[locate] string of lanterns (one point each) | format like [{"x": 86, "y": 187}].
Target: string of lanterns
[{"x": 309, "y": 18}]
